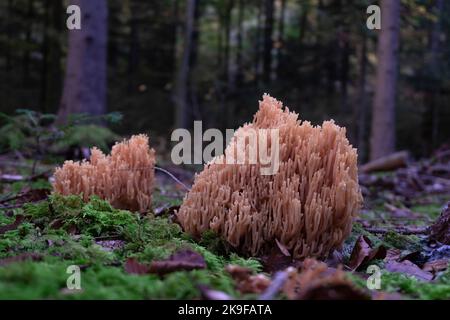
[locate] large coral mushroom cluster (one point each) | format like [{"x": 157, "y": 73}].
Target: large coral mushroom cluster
[
  {"x": 307, "y": 206},
  {"x": 125, "y": 178}
]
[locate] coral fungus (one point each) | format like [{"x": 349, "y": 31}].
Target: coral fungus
[
  {"x": 308, "y": 205},
  {"x": 125, "y": 178}
]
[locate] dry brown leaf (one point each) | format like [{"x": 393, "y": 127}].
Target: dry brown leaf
[
  {"x": 363, "y": 252},
  {"x": 183, "y": 260},
  {"x": 316, "y": 281},
  {"x": 436, "y": 265},
  {"x": 12, "y": 226},
  {"x": 246, "y": 282}
]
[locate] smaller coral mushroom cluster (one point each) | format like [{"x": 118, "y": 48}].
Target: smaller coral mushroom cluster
[
  {"x": 125, "y": 177},
  {"x": 307, "y": 206}
]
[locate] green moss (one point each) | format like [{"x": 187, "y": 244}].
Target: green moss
[
  {"x": 397, "y": 282},
  {"x": 97, "y": 217},
  {"x": 16, "y": 187},
  {"x": 146, "y": 238},
  {"x": 47, "y": 279},
  {"x": 432, "y": 210},
  {"x": 402, "y": 242},
  {"x": 159, "y": 199}
]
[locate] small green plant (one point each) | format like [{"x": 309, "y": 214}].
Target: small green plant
[{"x": 35, "y": 134}]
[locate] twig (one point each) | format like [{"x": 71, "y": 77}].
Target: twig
[
  {"x": 277, "y": 283},
  {"x": 173, "y": 177},
  {"x": 405, "y": 231}
]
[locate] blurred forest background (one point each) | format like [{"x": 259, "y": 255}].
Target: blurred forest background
[{"x": 165, "y": 63}]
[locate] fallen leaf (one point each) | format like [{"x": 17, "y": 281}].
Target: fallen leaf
[
  {"x": 245, "y": 281},
  {"x": 316, "y": 281},
  {"x": 283, "y": 248},
  {"x": 363, "y": 253},
  {"x": 183, "y": 260},
  {"x": 435, "y": 266},
  {"x": 19, "y": 219},
  {"x": 132, "y": 266},
  {"x": 275, "y": 260},
  {"x": 393, "y": 255},
  {"x": 409, "y": 268}
]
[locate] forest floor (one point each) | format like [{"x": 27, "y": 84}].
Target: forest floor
[{"x": 398, "y": 246}]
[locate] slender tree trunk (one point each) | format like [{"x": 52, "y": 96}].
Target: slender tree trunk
[
  {"x": 280, "y": 44},
  {"x": 133, "y": 53},
  {"x": 303, "y": 22},
  {"x": 360, "y": 126},
  {"x": 268, "y": 41},
  {"x": 239, "y": 63},
  {"x": 344, "y": 70},
  {"x": 8, "y": 57},
  {"x": 85, "y": 80},
  {"x": 27, "y": 54},
  {"x": 55, "y": 75},
  {"x": 183, "y": 112},
  {"x": 44, "y": 70},
  {"x": 383, "y": 116},
  {"x": 257, "y": 58},
  {"x": 227, "y": 24},
  {"x": 430, "y": 119}
]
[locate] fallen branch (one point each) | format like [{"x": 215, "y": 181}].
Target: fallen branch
[
  {"x": 389, "y": 162},
  {"x": 173, "y": 177},
  {"x": 277, "y": 283}
]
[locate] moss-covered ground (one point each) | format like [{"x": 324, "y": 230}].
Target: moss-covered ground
[{"x": 63, "y": 231}]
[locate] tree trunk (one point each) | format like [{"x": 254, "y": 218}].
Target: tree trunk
[
  {"x": 55, "y": 72},
  {"x": 183, "y": 112},
  {"x": 383, "y": 115},
  {"x": 430, "y": 121},
  {"x": 257, "y": 58},
  {"x": 27, "y": 54},
  {"x": 44, "y": 70},
  {"x": 85, "y": 79},
  {"x": 360, "y": 111},
  {"x": 268, "y": 43},
  {"x": 227, "y": 25},
  {"x": 280, "y": 44},
  {"x": 239, "y": 62}
]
